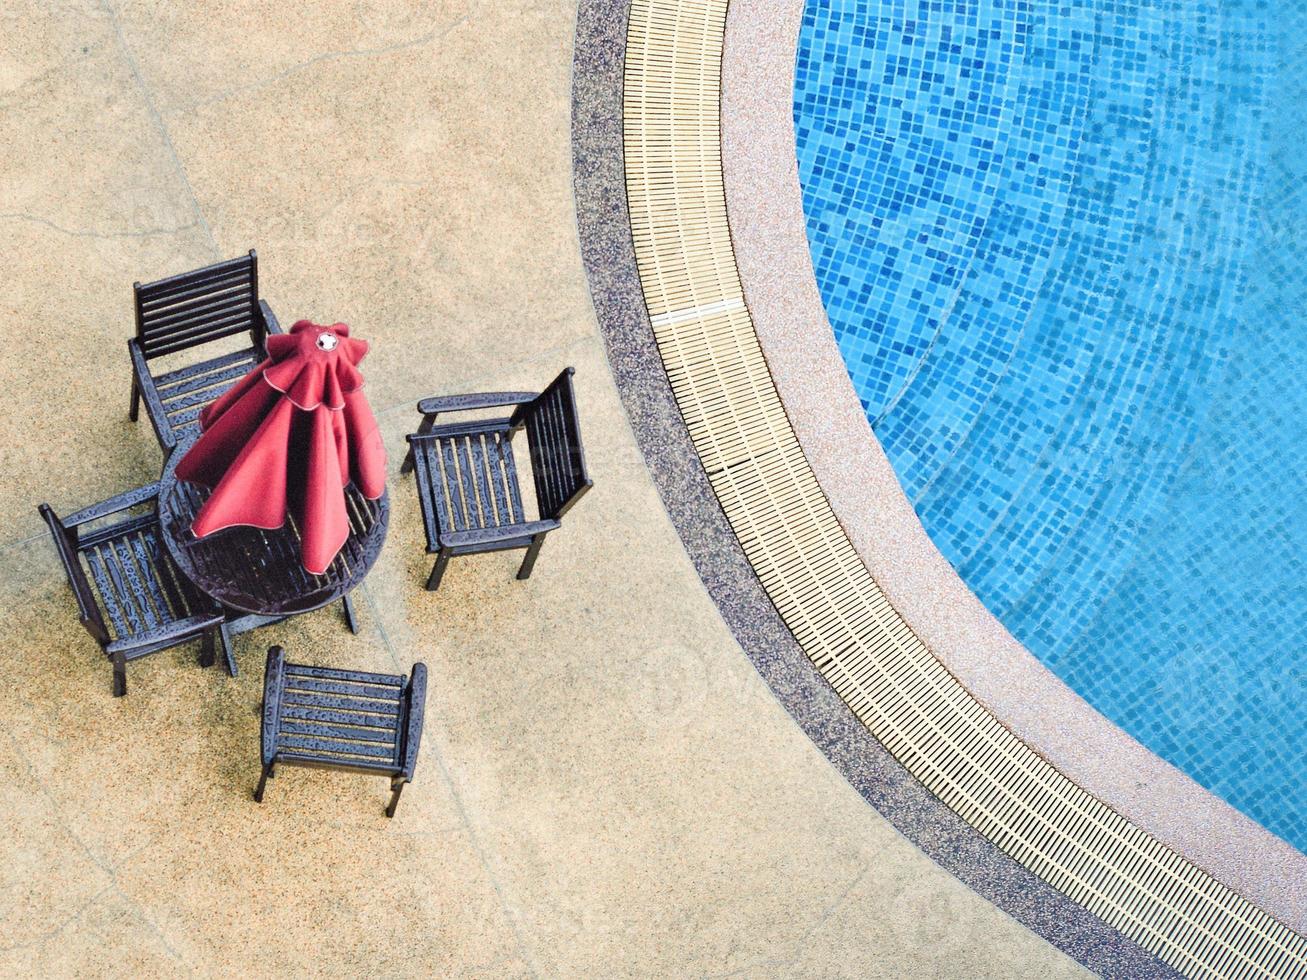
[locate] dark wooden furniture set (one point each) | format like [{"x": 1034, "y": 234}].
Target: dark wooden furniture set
[{"x": 143, "y": 582}]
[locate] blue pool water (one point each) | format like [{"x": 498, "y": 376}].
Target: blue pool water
[{"x": 1061, "y": 247}]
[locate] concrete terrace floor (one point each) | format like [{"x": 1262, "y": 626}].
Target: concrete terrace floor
[{"x": 606, "y": 787}]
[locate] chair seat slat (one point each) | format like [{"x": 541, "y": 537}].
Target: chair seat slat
[
  {"x": 210, "y": 379},
  {"x": 352, "y": 676},
  {"x": 510, "y": 477},
  {"x": 132, "y": 588},
  {"x": 123, "y": 595},
  {"x": 463, "y": 454},
  {"x": 343, "y": 702},
  {"x": 350, "y": 689},
  {"x": 342, "y": 733},
  {"x": 322, "y": 747},
  {"x": 208, "y": 387},
  {"x": 166, "y": 574},
  {"x": 184, "y": 430},
  {"x": 173, "y": 346},
  {"x": 154, "y": 599},
  {"x": 108, "y": 599},
  {"x": 185, "y": 416},
  {"x": 334, "y": 717},
  {"x": 200, "y": 399},
  {"x": 495, "y": 477},
  {"x": 387, "y": 766},
  {"x": 449, "y": 479},
  {"x": 192, "y": 371},
  {"x": 480, "y": 454}
]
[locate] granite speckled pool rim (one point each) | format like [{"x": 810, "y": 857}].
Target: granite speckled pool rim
[{"x": 1057, "y": 246}]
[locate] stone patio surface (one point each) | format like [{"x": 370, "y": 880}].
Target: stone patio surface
[{"x": 606, "y": 787}]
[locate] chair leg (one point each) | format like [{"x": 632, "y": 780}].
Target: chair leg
[
  {"x": 135, "y": 410},
  {"x": 529, "y": 560},
  {"x": 263, "y": 782},
  {"x": 207, "y": 649},
  {"x": 438, "y": 570},
  {"x": 397, "y": 787},
  {"x": 350, "y": 620},
  {"x": 119, "y": 675},
  {"x": 224, "y": 636}
]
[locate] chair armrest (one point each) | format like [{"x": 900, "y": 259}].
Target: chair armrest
[
  {"x": 273, "y": 675},
  {"x": 417, "y": 706},
  {"x": 113, "y": 505},
  {"x": 150, "y": 394},
  {"x": 464, "y": 403},
  {"x": 182, "y": 627},
  {"x": 270, "y": 322},
  {"x": 489, "y": 535}
]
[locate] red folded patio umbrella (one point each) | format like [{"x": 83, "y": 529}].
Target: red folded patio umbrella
[{"x": 288, "y": 438}]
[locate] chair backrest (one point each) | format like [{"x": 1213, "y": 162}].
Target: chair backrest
[
  {"x": 554, "y": 437},
  {"x": 196, "y": 307},
  {"x": 88, "y": 609},
  {"x": 416, "y": 693}
]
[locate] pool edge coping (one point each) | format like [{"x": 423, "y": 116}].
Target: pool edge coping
[
  {"x": 604, "y": 231},
  {"x": 768, "y": 233}
]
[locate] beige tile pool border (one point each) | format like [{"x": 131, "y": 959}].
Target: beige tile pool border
[
  {"x": 765, "y": 212},
  {"x": 818, "y": 582}
]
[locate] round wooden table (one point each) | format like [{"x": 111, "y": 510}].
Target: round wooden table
[{"x": 258, "y": 571}]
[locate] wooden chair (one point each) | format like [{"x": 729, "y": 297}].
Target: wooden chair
[
  {"x": 186, "y": 311},
  {"x": 134, "y": 601},
  {"x": 467, "y": 475},
  {"x": 322, "y": 718}
]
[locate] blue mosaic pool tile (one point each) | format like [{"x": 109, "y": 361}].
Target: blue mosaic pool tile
[{"x": 1059, "y": 246}]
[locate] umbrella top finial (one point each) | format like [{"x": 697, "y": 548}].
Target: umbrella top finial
[{"x": 315, "y": 364}]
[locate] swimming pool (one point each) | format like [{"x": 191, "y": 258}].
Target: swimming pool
[{"x": 1059, "y": 246}]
